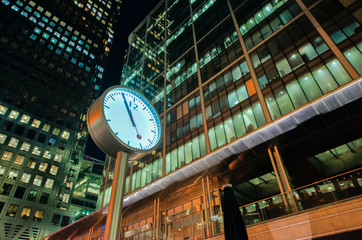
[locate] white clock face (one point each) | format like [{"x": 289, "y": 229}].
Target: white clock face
[{"x": 132, "y": 118}]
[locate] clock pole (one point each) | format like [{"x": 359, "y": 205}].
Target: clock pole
[{"x": 113, "y": 223}]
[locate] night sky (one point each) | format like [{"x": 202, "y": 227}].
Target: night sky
[{"x": 132, "y": 13}]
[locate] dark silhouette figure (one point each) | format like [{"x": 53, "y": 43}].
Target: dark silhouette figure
[{"x": 234, "y": 226}]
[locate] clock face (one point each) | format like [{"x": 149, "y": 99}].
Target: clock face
[{"x": 132, "y": 119}]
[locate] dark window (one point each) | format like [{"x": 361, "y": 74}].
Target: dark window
[
  {"x": 32, "y": 195},
  {"x": 19, "y": 130},
  {"x": 1, "y": 206},
  {"x": 65, "y": 221},
  {"x": 44, "y": 198},
  {"x": 8, "y": 125},
  {"x": 62, "y": 145},
  {"x": 6, "y": 189},
  {"x": 55, "y": 219},
  {"x": 42, "y": 138},
  {"x": 31, "y": 134},
  {"x": 19, "y": 193},
  {"x": 60, "y": 121}
]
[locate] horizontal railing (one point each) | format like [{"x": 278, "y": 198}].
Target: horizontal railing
[{"x": 340, "y": 187}]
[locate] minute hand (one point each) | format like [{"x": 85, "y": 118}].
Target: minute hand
[
  {"x": 128, "y": 111},
  {"x": 131, "y": 116}
]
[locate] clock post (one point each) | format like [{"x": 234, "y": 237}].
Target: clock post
[
  {"x": 122, "y": 122},
  {"x": 114, "y": 216}
]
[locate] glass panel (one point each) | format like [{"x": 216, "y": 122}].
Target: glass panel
[
  {"x": 229, "y": 130},
  {"x": 338, "y": 72},
  {"x": 296, "y": 94},
  {"x": 310, "y": 87},
  {"x": 284, "y": 102},
  {"x": 324, "y": 79},
  {"x": 283, "y": 67},
  {"x": 355, "y": 58}
]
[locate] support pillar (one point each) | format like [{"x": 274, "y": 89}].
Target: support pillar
[{"x": 114, "y": 216}]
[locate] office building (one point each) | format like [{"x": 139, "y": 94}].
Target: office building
[
  {"x": 52, "y": 58},
  {"x": 86, "y": 188},
  {"x": 261, "y": 94}
]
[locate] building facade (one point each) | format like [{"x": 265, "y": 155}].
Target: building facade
[
  {"x": 52, "y": 58},
  {"x": 264, "y": 95},
  {"x": 86, "y": 188}
]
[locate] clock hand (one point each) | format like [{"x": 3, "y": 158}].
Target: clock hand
[{"x": 131, "y": 116}]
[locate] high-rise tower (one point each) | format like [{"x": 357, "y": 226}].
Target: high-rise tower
[{"x": 52, "y": 58}]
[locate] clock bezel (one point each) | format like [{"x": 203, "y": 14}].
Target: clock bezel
[{"x": 102, "y": 133}]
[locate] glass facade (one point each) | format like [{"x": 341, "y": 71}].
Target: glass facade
[
  {"x": 207, "y": 88},
  {"x": 52, "y": 58},
  {"x": 261, "y": 94}
]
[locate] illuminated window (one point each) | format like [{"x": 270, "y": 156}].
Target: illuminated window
[
  {"x": 25, "y": 213},
  {"x": 13, "y": 142},
  {"x": 31, "y": 163},
  {"x": 52, "y": 141},
  {"x": 15, "y": 8},
  {"x": 13, "y": 209},
  {"x": 6, "y": 156},
  {"x": 45, "y": 35},
  {"x": 65, "y": 135},
  {"x": 53, "y": 170},
  {"x": 37, "y": 30},
  {"x": 43, "y": 166},
  {"x": 64, "y": 39},
  {"x": 37, "y": 180},
  {"x": 2, "y": 170},
  {"x": 38, "y": 216},
  {"x": 65, "y": 197},
  {"x": 58, "y": 157},
  {"x": 69, "y": 185},
  {"x": 25, "y": 147},
  {"x": 36, "y": 150},
  {"x": 47, "y": 154},
  {"x": 13, "y": 174},
  {"x": 46, "y": 127},
  {"x": 2, "y": 138},
  {"x": 25, "y": 178},
  {"x": 49, "y": 183},
  {"x": 36, "y": 123},
  {"x": 14, "y": 114},
  {"x": 56, "y": 131},
  {"x": 25, "y": 119},
  {"x": 19, "y": 159}
]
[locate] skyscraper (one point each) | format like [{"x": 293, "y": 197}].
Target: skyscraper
[
  {"x": 52, "y": 58},
  {"x": 264, "y": 95}
]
